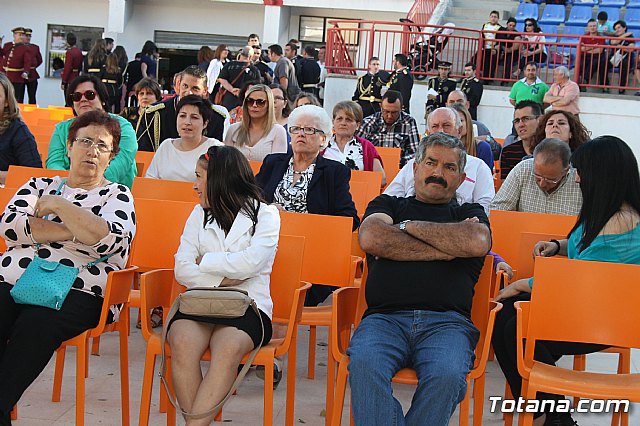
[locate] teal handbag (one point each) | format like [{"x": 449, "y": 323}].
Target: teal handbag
[{"x": 46, "y": 283}]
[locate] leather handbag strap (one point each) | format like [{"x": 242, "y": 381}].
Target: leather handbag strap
[{"x": 163, "y": 365}]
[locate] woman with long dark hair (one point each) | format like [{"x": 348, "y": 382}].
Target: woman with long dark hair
[
  {"x": 229, "y": 198},
  {"x": 562, "y": 125},
  {"x": 149, "y": 59},
  {"x": 96, "y": 58},
  {"x": 607, "y": 230},
  {"x": 215, "y": 66},
  {"x": 535, "y": 50}
]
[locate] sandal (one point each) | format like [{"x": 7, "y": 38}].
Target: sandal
[{"x": 156, "y": 318}]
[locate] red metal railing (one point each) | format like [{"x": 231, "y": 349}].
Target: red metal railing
[{"x": 428, "y": 45}]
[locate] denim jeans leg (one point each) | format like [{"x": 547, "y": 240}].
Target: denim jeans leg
[
  {"x": 378, "y": 349},
  {"x": 443, "y": 345}
]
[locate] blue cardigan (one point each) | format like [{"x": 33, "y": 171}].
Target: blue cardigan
[
  {"x": 18, "y": 147},
  {"x": 328, "y": 191}
]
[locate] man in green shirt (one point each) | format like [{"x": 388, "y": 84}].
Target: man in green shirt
[{"x": 530, "y": 88}]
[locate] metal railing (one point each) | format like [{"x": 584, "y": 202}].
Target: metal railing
[{"x": 497, "y": 58}]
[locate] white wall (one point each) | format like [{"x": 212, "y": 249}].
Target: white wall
[
  {"x": 37, "y": 15},
  {"x": 600, "y": 114}
]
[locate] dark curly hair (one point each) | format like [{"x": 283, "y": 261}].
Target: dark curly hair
[{"x": 579, "y": 133}]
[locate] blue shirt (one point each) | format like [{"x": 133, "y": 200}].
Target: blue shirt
[{"x": 618, "y": 248}]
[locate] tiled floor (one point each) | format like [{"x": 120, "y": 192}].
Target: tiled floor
[{"x": 103, "y": 391}]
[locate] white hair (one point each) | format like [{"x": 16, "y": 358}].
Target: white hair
[
  {"x": 317, "y": 114},
  {"x": 452, "y": 113},
  {"x": 564, "y": 70}
]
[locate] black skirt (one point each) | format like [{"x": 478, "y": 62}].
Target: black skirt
[{"x": 249, "y": 323}]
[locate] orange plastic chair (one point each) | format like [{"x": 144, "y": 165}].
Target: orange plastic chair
[
  {"x": 506, "y": 226},
  {"x": 360, "y": 196},
  {"x": 578, "y": 301},
  {"x": 19, "y": 175},
  {"x": 159, "y": 189},
  {"x": 160, "y": 289},
  {"x": 143, "y": 159},
  {"x": 117, "y": 293},
  {"x": 255, "y": 166},
  {"x": 372, "y": 179},
  {"x": 390, "y": 161},
  {"x": 327, "y": 260},
  {"x": 483, "y": 314}
]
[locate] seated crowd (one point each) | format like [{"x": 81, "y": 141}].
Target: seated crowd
[{"x": 425, "y": 237}]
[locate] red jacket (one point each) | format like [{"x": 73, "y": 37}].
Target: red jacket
[
  {"x": 72, "y": 65},
  {"x": 16, "y": 59},
  {"x": 36, "y": 61}
]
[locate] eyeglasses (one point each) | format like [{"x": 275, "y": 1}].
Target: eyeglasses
[
  {"x": 525, "y": 119},
  {"x": 294, "y": 130},
  {"x": 77, "y": 96},
  {"x": 528, "y": 25},
  {"x": 86, "y": 143},
  {"x": 550, "y": 181},
  {"x": 256, "y": 102}
]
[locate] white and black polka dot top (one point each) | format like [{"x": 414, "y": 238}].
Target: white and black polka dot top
[{"x": 112, "y": 202}]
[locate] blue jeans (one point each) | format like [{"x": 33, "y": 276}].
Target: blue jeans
[{"x": 438, "y": 345}]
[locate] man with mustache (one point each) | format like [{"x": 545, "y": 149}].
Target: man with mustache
[
  {"x": 477, "y": 186},
  {"x": 424, "y": 255}
]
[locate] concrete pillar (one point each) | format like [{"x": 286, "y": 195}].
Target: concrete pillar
[
  {"x": 276, "y": 24},
  {"x": 117, "y": 16}
]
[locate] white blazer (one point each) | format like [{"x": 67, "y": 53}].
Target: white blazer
[{"x": 238, "y": 255}]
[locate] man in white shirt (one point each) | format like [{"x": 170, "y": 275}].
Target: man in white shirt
[{"x": 478, "y": 184}]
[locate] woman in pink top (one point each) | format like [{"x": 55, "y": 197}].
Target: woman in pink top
[{"x": 258, "y": 134}]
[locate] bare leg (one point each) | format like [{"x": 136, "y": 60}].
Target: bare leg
[
  {"x": 188, "y": 340},
  {"x": 228, "y": 345}
]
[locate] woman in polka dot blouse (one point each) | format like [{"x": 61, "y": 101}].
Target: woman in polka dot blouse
[{"x": 89, "y": 218}]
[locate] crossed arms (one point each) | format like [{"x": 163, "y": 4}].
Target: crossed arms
[{"x": 423, "y": 241}]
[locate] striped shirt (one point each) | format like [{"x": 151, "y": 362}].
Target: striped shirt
[
  {"x": 521, "y": 193},
  {"x": 510, "y": 156}
]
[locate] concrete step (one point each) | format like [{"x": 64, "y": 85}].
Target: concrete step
[{"x": 474, "y": 13}]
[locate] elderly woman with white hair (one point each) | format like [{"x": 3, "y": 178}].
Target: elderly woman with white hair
[{"x": 303, "y": 181}]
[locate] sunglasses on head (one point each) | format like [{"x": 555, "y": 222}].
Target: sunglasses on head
[
  {"x": 256, "y": 102},
  {"x": 77, "y": 96}
]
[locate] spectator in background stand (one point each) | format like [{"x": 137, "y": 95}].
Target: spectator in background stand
[
  {"x": 284, "y": 72},
  {"x": 131, "y": 76},
  {"x": 72, "y": 66},
  {"x": 563, "y": 94},
  {"x": 530, "y": 88},
  {"x": 17, "y": 144},
  {"x": 121, "y": 54},
  {"x": 621, "y": 57},
  {"x": 215, "y": 66},
  {"x": 594, "y": 56},
  {"x": 509, "y": 48},
  {"x": 490, "y": 51},
  {"x": 605, "y": 26},
  {"x": 149, "y": 60},
  {"x": 535, "y": 50}
]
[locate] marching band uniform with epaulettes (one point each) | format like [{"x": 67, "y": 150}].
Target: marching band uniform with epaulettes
[
  {"x": 472, "y": 87},
  {"x": 16, "y": 62},
  {"x": 402, "y": 81},
  {"x": 443, "y": 87},
  {"x": 36, "y": 61},
  {"x": 159, "y": 123},
  {"x": 368, "y": 91},
  {"x": 308, "y": 74}
]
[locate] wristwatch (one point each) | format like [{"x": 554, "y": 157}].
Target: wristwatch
[{"x": 403, "y": 225}]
